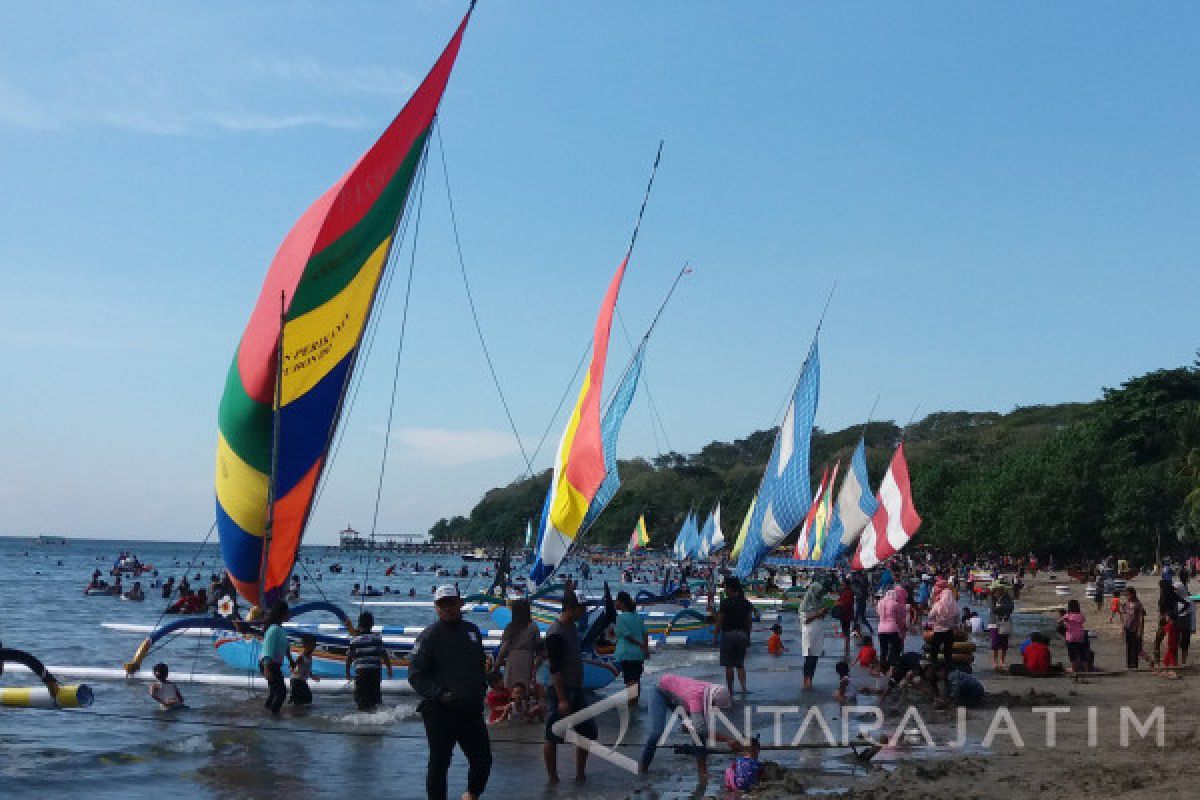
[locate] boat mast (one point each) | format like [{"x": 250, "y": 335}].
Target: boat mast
[{"x": 275, "y": 408}]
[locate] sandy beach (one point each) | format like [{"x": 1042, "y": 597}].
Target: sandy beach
[{"x": 1081, "y": 763}]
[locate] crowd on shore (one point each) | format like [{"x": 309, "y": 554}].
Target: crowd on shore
[{"x": 944, "y": 604}]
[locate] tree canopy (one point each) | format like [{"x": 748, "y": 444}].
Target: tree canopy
[{"x": 1121, "y": 474}]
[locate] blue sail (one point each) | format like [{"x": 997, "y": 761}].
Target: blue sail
[
  {"x": 854, "y": 502},
  {"x": 539, "y": 571},
  {"x": 785, "y": 492},
  {"x": 693, "y": 536},
  {"x": 706, "y": 536}
]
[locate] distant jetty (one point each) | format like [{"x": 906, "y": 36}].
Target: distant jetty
[{"x": 350, "y": 539}]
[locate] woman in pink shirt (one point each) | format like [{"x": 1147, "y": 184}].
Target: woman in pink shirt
[
  {"x": 943, "y": 617},
  {"x": 1074, "y": 632},
  {"x": 893, "y": 614}
]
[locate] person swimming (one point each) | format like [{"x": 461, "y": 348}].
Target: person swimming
[{"x": 164, "y": 692}]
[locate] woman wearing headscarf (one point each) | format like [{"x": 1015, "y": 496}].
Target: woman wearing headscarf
[
  {"x": 944, "y": 618},
  {"x": 893, "y": 623},
  {"x": 518, "y": 646}
]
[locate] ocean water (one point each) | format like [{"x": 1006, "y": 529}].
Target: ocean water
[{"x": 225, "y": 745}]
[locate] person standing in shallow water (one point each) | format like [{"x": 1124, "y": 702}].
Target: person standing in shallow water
[
  {"x": 735, "y": 618},
  {"x": 518, "y": 646},
  {"x": 564, "y": 695},
  {"x": 448, "y": 670},
  {"x": 274, "y": 650}
]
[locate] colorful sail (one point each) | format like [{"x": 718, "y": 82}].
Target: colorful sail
[
  {"x": 785, "y": 494},
  {"x": 803, "y": 541},
  {"x": 640, "y": 534},
  {"x": 610, "y": 430},
  {"x": 895, "y": 521},
  {"x": 855, "y": 508},
  {"x": 579, "y": 466},
  {"x": 322, "y": 282},
  {"x": 824, "y": 520},
  {"x": 740, "y": 542}
]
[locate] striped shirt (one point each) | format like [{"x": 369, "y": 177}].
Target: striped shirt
[{"x": 366, "y": 651}]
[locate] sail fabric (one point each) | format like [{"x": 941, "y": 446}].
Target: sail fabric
[
  {"x": 785, "y": 494},
  {"x": 316, "y": 299},
  {"x": 610, "y": 430},
  {"x": 579, "y": 466},
  {"x": 740, "y": 541},
  {"x": 824, "y": 519},
  {"x": 704, "y": 543},
  {"x": 856, "y": 505},
  {"x": 895, "y": 521},
  {"x": 716, "y": 541},
  {"x": 528, "y": 533},
  {"x": 540, "y": 571},
  {"x": 640, "y": 537},
  {"x": 680, "y": 546},
  {"x": 801, "y": 548},
  {"x": 687, "y": 543},
  {"x": 691, "y": 536}
]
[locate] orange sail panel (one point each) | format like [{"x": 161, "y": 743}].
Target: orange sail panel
[
  {"x": 579, "y": 465},
  {"x": 327, "y": 271}
]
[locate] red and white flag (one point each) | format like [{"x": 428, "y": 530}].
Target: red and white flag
[{"x": 895, "y": 521}]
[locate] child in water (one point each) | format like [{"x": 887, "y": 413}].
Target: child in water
[
  {"x": 775, "y": 643},
  {"x": 867, "y": 656},
  {"x": 843, "y": 694},
  {"x": 165, "y": 693},
  {"x": 498, "y": 700},
  {"x": 302, "y": 671},
  {"x": 743, "y": 774}
]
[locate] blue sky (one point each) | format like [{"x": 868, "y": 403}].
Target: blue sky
[{"x": 1005, "y": 194}]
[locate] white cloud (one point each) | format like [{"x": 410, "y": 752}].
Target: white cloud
[
  {"x": 181, "y": 93},
  {"x": 370, "y": 80},
  {"x": 446, "y": 448}
]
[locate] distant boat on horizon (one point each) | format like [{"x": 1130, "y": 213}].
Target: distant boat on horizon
[{"x": 57, "y": 541}]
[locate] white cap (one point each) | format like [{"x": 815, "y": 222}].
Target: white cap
[{"x": 442, "y": 592}]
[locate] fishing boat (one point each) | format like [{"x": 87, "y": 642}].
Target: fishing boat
[{"x": 286, "y": 386}]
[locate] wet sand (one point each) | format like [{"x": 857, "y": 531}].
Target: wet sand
[{"x": 1088, "y": 758}]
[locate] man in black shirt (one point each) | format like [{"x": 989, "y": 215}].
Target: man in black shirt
[
  {"x": 448, "y": 672},
  {"x": 564, "y": 695},
  {"x": 735, "y": 617}
]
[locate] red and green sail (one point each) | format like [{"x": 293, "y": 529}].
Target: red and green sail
[{"x": 320, "y": 290}]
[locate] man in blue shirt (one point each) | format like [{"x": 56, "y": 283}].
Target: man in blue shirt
[{"x": 274, "y": 650}]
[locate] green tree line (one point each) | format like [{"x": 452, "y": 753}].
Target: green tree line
[{"x": 1076, "y": 480}]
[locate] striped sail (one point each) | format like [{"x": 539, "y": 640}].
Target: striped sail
[
  {"x": 579, "y": 465},
  {"x": 824, "y": 519},
  {"x": 316, "y": 299},
  {"x": 785, "y": 493},
  {"x": 854, "y": 510},
  {"x": 610, "y": 431}
]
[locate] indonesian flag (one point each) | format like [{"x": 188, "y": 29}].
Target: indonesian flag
[{"x": 895, "y": 521}]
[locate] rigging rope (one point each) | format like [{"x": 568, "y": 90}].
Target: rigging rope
[
  {"x": 462, "y": 268},
  {"x": 387, "y": 436}
]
